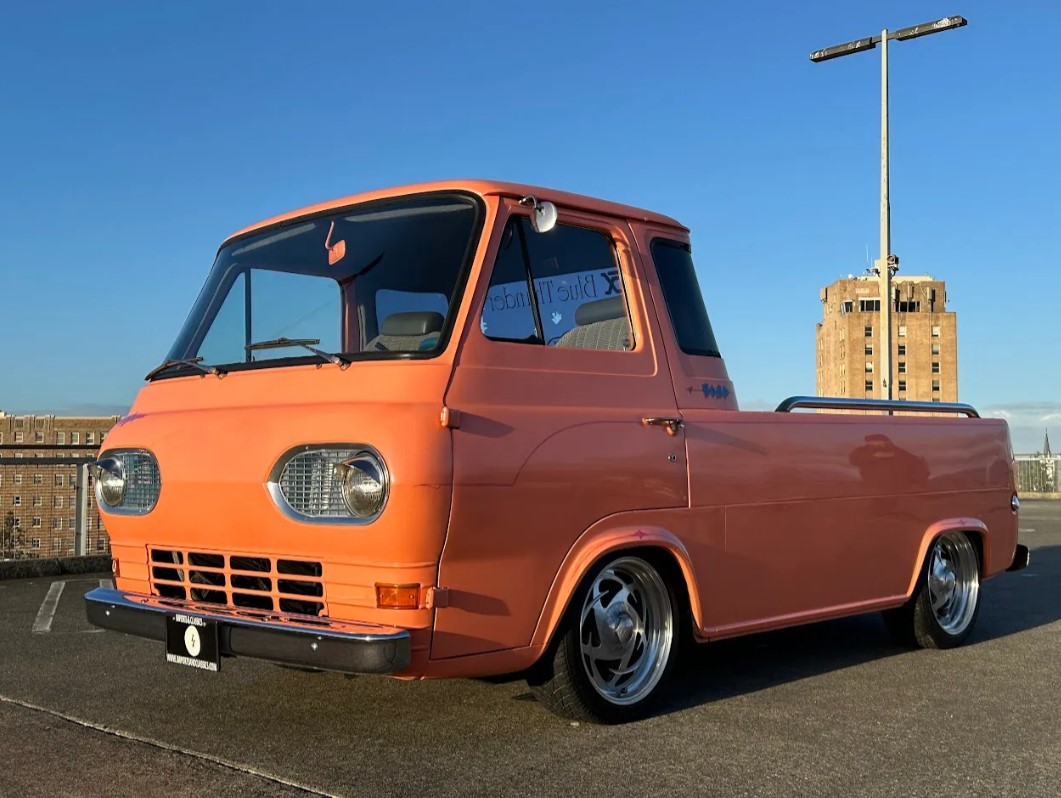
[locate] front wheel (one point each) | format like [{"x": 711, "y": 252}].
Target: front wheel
[
  {"x": 616, "y": 647},
  {"x": 946, "y": 601}
]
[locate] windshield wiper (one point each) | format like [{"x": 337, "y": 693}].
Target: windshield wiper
[
  {"x": 305, "y": 343},
  {"x": 192, "y": 362}
]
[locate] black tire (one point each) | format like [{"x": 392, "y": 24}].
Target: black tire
[
  {"x": 918, "y": 624},
  {"x": 562, "y": 681}
]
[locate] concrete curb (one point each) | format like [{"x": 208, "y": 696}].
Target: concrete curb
[{"x": 54, "y": 566}]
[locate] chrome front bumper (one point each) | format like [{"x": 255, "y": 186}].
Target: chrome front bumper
[{"x": 305, "y": 641}]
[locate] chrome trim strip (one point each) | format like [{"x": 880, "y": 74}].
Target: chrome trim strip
[{"x": 838, "y": 403}]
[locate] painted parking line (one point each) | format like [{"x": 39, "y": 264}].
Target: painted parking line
[{"x": 46, "y": 614}]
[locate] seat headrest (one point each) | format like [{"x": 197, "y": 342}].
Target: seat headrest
[
  {"x": 600, "y": 310},
  {"x": 415, "y": 322}
]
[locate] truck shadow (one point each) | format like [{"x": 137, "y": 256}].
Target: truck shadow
[{"x": 1011, "y": 603}]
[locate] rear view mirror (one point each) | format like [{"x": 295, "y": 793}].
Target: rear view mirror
[{"x": 336, "y": 251}]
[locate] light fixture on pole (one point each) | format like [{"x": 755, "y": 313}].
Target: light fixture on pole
[{"x": 888, "y": 263}]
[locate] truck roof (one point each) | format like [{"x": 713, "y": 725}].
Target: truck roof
[{"x": 482, "y": 188}]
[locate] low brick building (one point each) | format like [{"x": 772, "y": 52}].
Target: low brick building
[{"x": 38, "y": 498}]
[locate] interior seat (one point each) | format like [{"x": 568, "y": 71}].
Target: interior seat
[
  {"x": 411, "y": 331},
  {"x": 601, "y": 324}
]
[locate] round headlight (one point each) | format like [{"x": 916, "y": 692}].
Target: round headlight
[
  {"x": 364, "y": 485},
  {"x": 111, "y": 481}
]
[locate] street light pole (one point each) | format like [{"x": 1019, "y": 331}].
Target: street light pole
[{"x": 888, "y": 263}]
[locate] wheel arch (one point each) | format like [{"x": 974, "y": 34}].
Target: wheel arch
[
  {"x": 974, "y": 528},
  {"x": 653, "y": 542}
]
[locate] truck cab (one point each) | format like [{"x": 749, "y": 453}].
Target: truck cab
[{"x": 474, "y": 428}]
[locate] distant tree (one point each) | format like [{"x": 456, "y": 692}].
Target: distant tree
[{"x": 12, "y": 538}]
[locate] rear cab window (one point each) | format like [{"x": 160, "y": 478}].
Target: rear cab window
[{"x": 681, "y": 294}]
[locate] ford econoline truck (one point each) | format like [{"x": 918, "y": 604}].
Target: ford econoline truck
[{"x": 475, "y": 428}]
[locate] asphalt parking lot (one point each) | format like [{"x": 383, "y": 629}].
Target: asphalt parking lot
[{"x": 832, "y": 709}]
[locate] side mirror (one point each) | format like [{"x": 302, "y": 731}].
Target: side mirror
[{"x": 544, "y": 217}]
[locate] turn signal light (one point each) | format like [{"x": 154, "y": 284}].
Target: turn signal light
[
  {"x": 115, "y": 567},
  {"x": 397, "y": 597}
]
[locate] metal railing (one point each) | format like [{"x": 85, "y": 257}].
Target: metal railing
[
  {"x": 47, "y": 502},
  {"x": 883, "y": 405},
  {"x": 1037, "y": 473}
]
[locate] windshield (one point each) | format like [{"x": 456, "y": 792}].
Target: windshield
[{"x": 379, "y": 280}]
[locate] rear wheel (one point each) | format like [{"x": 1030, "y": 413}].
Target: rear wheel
[
  {"x": 946, "y": 601},
  {"x": 616, "y": 647}
]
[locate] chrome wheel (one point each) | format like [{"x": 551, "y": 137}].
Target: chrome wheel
[
  {"x": 953, "y": 582},
  {"x": 626, "y": 630}
]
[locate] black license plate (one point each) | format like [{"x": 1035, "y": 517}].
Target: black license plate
[{"x": 193, "y": 642}]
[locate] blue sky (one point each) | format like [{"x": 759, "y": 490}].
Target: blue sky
[{"x": 135, "y": 136}]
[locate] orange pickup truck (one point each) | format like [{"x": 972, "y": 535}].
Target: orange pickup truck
[{"x": 474, "y": 428}]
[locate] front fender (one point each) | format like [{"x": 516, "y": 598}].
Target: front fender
[{"x": 597, "y": 542}]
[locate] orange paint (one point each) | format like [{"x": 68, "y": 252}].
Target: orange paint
[{"x": 514, "y": 469}]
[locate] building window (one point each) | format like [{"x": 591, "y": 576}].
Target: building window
[
  {"x": 38, "y": 479},
  {"x": 18, "y": 479},
  {"x": 902, "y": 385},
  {"x": 36, "y": 522},
  {"x": 935, "y": 331},
  {"x": 57, "y": 544},
  {"x": 935, "y": 368},
  {"x": 16, "y": 501},
  {"x": 90, "y": 438},
  {"x": 17, "y": 522},
  {"x": 101, "y": 544},
  {"x": 902, "y": 330},
  {"x": 58, "y": 480},
  {"x": 869, "y": 331},
  {"x": 847, "y": 307},
  {"x": 869, "y": 385},
  {"x": 869, "y": 305},
  {"x": 35, "y": 543},
  {"x": 908, "y": 307},
  {"x": 38, "y": 501},
  {"x": 935, "y": 386},
  {"x": 935, "y": 398},
  {"x": 902, "y": 350},
  {"x": 869, "y": 349},
  {"x": 60, "y": 438},
  {"x": 57, "y": 523},
  {"x": 71, "y": 523},
  {"x": 18, "y": 437},
  {"x": 902, "y": 366},
  {"x": 935, "y": 349},
  {"x": 38, "y": 437},
  {"x": 869, "y": 367},
  {"x": 75, "y": 437}
]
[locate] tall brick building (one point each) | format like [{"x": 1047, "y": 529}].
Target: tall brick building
[
  {"x": 924, "y": 356},
  {"x": 38, "y": 500}
]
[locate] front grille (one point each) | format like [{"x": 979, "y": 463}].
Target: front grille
[{"x": 237, "y": 580}]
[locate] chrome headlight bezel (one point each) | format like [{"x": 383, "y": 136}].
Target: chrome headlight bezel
[
  {"x": 324, "y": 483},
  {"x": 141, "y": 481},
  {"x": 110, "y": 479}
]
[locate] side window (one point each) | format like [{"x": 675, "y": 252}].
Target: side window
[
  {"x": 578, "y": 299},
  {"x": 681, "y": 292}
]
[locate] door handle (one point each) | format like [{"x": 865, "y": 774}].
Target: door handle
[{"x": 672, "y": 425}]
